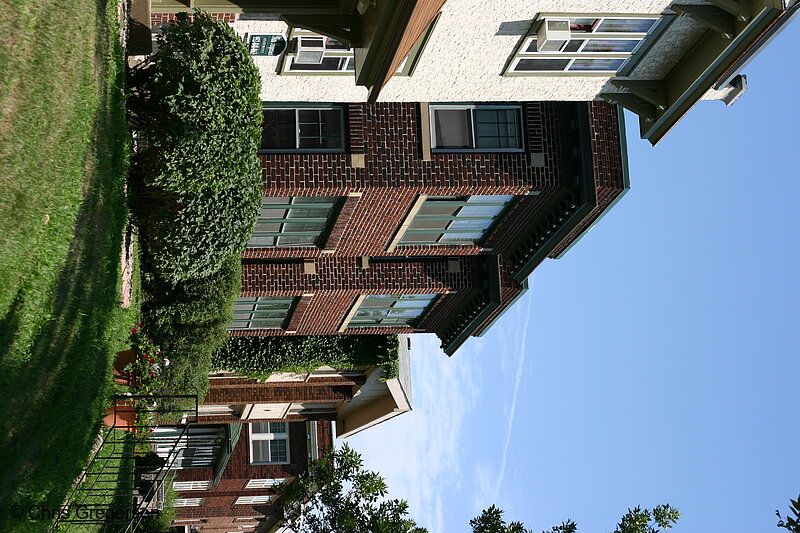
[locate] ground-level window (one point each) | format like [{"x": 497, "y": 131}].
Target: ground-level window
[
  {"x": 188, "y": 502},
  {"x": 264, "y": 483},
  {"x": 191, "y": 485},
  {"x": 490, "y": 128},
  {"x": 391, "y": 310},
  {"x": 250, "y": 500},
  {"x": 293, "y": 221},
  {"x": 580, "y": 44},
  {"x": 261, "y": 312},
  {"x": 305, "y": 129},
  {"x": 454, "y": 219},
  {"x": 269, "y": 443}
]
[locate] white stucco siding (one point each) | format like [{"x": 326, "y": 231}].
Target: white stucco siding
[{"x": 463, "y": 60}]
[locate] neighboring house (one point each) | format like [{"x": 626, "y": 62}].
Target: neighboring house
[
  {"x": 251, "y": 436},
  {"x": 657, "y": 58},
  {"x": 227, "y": 473}
]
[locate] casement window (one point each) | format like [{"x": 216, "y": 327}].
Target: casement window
[
  {"x": 252, "y": 500},
  {"x": 454, "y": 219},
  {"x": 303, "y": 129},
  {"x": 293, "y": 221},
  {"x": 261, "y": 312},
  {"x": 264, "y": 483},
  {"x": 482, "y": 128},
  {"x": 269, "y": 443},
  {"x": 580, "y": 44},
  {"x": 391, "y": 310},
  {"x": 191, "y": 485},
  {"x": 187, "y": 502}
]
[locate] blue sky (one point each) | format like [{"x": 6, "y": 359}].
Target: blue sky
[{"x": 656, "y": 362}]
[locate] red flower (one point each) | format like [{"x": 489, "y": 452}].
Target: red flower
[
  {"x": 149, "y": 340},
  {"x": 138, "y": 325},
  {"x": 134, "y": 330},
  {"x": 152, "y": 374}
]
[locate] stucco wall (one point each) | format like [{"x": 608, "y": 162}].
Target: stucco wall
[{"x": 462, "y": 61}]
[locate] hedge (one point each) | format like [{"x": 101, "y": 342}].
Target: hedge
[
  {"x": 258, "y": 357},
  {"x": 195, "y": 186}
]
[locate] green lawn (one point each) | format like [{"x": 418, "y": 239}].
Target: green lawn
[{"x": 63, "y": 159}]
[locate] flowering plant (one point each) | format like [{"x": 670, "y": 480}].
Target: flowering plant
[{"x": 148, "y": 363}]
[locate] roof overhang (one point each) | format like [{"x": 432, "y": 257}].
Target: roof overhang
[{"x": 736, "y": 32}]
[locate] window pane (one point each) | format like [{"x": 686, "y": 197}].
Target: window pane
[
  {"x": 610, "y": 45},
  {"x": 278, "y": 131},
  {"x": 472, "y": 216},
  {"x": 574, "y": 45},
  {"x": 277, "y": 427},
  {"x": 536, "y": 65},
  {"x": 278, "y": 451},
  {"x": 261, "y": 451},
  {"x": 329, "y": 64},
  {"x": 582, "y": 25},
  {"x": 295, "y": 221},
  {"x": 596, "y": 64},
  {"x": 626, "y": 25},
  {"x": 497, "y": 128},
  {"x": 452, "y": 128}
]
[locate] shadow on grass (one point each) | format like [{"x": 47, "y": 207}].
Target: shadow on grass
[{"x": 52, "y": 403}]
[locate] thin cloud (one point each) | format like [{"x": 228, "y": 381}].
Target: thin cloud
[{"x": 425, "y": 455}]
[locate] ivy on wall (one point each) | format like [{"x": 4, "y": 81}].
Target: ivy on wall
[{"x": 258, "y": 357}]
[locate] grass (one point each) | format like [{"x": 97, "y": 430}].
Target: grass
[{"x": 63, "y": 159}]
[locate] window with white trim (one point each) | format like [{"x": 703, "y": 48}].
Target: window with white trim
[
  {"x": 187, "y": 502},
  {"x": 251, "y": 500},
  {"x": 470, "y": 128},
  {"x": 264, "y": 483},
  {"x": 454, "y": 219},
  {"x": 191, "y": 485},
  {"x": 269, "y": 443},
  {"x": 293, "y": 221},
  {"x": 385, "y": 310},
  {"x": 303, "y": 129},
  {"x": 261, "y": 312},
  {"x": 580, "y": 44}
]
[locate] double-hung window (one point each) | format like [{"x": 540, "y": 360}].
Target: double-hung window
[
  {"x": 580, "y": 44},
  {"x": 269, "y": 443},
  {"x": 187, "y": 502},
  {"x": 261, "y": 312},
  {"x": 391, "y": 310},
  {"x": 454, "y": 219},
  {"x": 293, "y": 221},
  {"x": 305, "y": 129},
  {"x": 468, "y": 128},
  {"x": 252, "y": 500}
]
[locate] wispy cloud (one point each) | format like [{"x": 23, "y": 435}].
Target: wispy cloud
[
  {"x": 516, "y": 336},
  {"x": 420, "y": 453}
]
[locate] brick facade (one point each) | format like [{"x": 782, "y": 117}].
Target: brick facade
[{"x": 475, "y": 282}]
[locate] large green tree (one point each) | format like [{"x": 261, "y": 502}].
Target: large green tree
[{"x": 339, "y": 495}]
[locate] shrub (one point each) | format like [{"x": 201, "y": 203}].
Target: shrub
[
  {"x": 195, "y": 184},
  {"x": 197, "y": 106},
  {"x": 190, "y": 320},
  {"x": 258, "y": 357}
]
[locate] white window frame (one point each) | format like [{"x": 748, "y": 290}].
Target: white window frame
[
  {"x": 264, "y": 483},
  {"x": 188, "y": 502},
  {"x": 522, "y": 53},
  {"x": 191, "y": 485},
  {"x": 253, "y": 500},
  {"x": 270, "y": 437},
  {"x": 473, "y": 134}
]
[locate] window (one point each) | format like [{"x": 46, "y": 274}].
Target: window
[
  {"x": 191, "y": 485},
  {"x": 293, "y": 221},
  {"x": 251, "y": 500},
  {"x": 262, "y": 312},
  {"x": 269, "y": 442},
  {"x": 187, "y": 502},
  {"x": 454, "y": 219},
  {"x": 264, "y": 483},
  {"x": 316, "y": 54},
  {"x": 488, "y": 128},
  {"x": 308, "y": 129},
  {"x": 580, "y": 44},
  {"x": 391, "y": 310}
]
